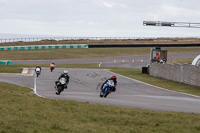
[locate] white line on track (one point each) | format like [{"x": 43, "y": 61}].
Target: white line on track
[
  {"x": 156, "y": 86},
  {"x": 35, "y": 88},
  {"x": 100, "y": 64}
]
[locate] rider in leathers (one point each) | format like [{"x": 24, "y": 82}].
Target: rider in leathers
[
  {"x": 114, "y": 79},
  {"x": 39, "y": 68},
  {"x": 66, "y": 76}
]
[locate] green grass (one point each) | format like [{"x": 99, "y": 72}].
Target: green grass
[
  {"x": 87, "y": 53},
  {"x": 23, "y": 112},
  {"x": 10, "y": 69},
  {"x": 182, "y": 61}
]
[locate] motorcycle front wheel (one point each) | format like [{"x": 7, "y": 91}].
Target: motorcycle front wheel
[
  {"x": 60, "y": 88},
  {"x": 106, "y": 92},
  {"x": 101, "y": 93}
]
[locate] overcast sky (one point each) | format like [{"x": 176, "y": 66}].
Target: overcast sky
[{"x": 98, "y": 18}]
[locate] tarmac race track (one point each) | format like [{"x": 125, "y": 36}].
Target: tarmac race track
[
  {"x": 139, "y": 61},
  {"x": 84, "y": 86}
]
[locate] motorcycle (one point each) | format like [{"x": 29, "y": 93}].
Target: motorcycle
[
  {"x": 52, "y": 68},
  {"x": 38, "y": 71},
  {"x": 107, "y": 88},
  {"x": 60, "y": 85}
]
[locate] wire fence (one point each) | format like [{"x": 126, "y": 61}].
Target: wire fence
[{"x": 97, "y": 39}]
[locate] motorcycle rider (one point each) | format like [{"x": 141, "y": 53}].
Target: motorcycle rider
[
  {"x": 158, "y": 57},
  {"x": 114, "y": 79},
  {"x": 66, "y": 76},
  {"x": 36, "y": 68},
  {"x": 52, "y": 65}
]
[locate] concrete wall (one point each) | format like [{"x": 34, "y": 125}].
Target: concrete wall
[
  {"x": 191, "y": 74},
  {"x": 185, "y": 73}
]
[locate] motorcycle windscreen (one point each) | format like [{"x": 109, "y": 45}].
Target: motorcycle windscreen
[{"x": 62, "y": 80}]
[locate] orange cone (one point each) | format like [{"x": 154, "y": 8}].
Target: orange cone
[
  {"x": 114, "y": 61},
  {"x": 123, "y": 61},
  {"x": 132, "y": 61},
  {"x": 141, "y": 60}
]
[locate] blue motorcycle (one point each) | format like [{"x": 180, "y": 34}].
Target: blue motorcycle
[{"x": 107, "y": 88}]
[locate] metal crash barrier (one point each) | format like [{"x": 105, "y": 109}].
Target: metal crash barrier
[
  {"x": 36, "y": 47},
  {"x": 6, "y": 62}
]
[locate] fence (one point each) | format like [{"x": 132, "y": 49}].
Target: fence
[
  {"x": 79, "y": 39},
  {"x": 185, "y": 73}
]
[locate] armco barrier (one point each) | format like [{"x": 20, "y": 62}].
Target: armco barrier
[
  {"x": 36, "y": 47},
  {"x": 5, "y": 62}
]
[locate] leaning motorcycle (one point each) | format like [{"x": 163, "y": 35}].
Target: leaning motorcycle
[
  {"x": 51, "y": 68},
  {"x": 60, "y": 85},
  {"x": 37, "y": 71},
  {"x": 107, "y": 88}
]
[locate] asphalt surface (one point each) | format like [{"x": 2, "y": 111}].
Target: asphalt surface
[
  {"x": 24, "y": 80},
  {"x": 109, "y": 62},
  {"x": 84, "y": 86}
]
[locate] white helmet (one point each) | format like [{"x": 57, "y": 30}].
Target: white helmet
[
  {"x": 161, "y": 61},
  {"x": 65, "y": 72}
]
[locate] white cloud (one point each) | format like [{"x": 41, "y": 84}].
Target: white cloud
[
  {"x": 97, "y": 17},
  {"x": 93, "y": 23},
  {"x": 177, "y": 11},
  {"x": 110, "y": 5}
]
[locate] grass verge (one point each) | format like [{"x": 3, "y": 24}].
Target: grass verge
[
  {"x": 87, "y": 53},
  {"x": 10, "y": 69},
  {"x": 22, "y": 111},
  {"x": 182, "y": 61}
]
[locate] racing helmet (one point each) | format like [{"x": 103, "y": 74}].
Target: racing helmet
[
  {"x": 114, "y": 77},
  {"x": 65, "y": 72}
]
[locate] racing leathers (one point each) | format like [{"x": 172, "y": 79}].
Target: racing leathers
[
  {"x": 115, "y": 83},
  {"x": 64, "y": 76},
  {"x": 38, "y": 68}
]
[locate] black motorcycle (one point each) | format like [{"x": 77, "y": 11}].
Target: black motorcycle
[{"x": 60, "y": 85}]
